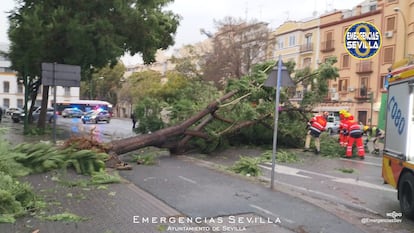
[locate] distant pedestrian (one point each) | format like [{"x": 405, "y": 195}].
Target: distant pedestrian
[
  {"x": 1, "y": 113},
  {"x": 316, "y": 125},
  {"x": 134, "y": 120},
  {"x": 374, "y": 134}
]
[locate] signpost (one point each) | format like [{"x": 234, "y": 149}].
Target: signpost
[
  {"x": 54, "y": 74},
  {"x": 278, "y": 77}
]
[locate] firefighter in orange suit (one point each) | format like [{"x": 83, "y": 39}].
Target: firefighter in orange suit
[
  {"x": 355, "y": 135},
  {"x": 343, "y": 141},
  {"x": 316, "y": 125}
]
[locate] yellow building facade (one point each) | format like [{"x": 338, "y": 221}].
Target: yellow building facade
[
  {"x": 297, "y": 41},
  {"x": 360, "y": 85}
]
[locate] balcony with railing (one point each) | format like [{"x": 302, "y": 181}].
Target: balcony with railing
[
  {"x": 306, "y": 48},
  {"x": 296, "y": 96},
  {"x": 364, "y": 67},
  {"x": 327, "y": 46},
  {"x": 362, "y": 94}
]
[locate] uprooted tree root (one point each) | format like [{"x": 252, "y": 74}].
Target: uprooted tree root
[{"x": 90, "y": 142}]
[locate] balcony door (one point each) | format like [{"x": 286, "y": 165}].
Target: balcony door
[
  {"x": 363, "y": 117},
  {"x": 363, "y": 87},
  {"x": 329, "y": 40}
]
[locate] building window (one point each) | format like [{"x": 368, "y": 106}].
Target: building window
[
  {"x": 299, "y": 94},
  {"x": 6, "y": 87},
  {"x": 343, "y": 85},
  {"x": 19, "y": 88},
  {"x": 308, "y": 39},
  {"x": 328, "y": 44},
  {"x": 388, "y": 54},
  {"x": 20, "y": 103},
  {"x": 390, "y": 26},
  {"x": 292, "y": 40},
  {"x": 66, "y": 91},
  {"x": 363, "y": 117},
  {"x": 363, "y": 84},
  {"x": 280, "y": 43},
  {"x": 307, "y": 62},
  {"x": 6, "y": 103},
  {"x": 345, "y": 61}
]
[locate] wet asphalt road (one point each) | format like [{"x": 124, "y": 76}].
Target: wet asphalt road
[{"x": 202, "y": 192}]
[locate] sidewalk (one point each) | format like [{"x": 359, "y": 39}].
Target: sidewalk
[
  {"x": 121, "y": 208},
  {"x": 106, "y": 210}
]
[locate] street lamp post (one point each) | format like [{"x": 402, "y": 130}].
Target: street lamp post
[
  {"x": 397, "y": 9},
  {"x": 371, "y": 98},
  {"x": 280, "y": 77}
]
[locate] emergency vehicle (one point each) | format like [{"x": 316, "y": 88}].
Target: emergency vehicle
[{"x": 398, "y": 154}]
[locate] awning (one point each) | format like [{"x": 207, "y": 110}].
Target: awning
[{"x": 330, "y": 108}]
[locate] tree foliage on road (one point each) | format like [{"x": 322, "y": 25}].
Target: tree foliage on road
[{"x": 91, "y": 34}]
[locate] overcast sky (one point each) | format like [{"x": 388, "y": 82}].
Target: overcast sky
[{"x": 201, "y": 14}]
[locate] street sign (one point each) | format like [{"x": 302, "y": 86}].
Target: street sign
[
  {"x": 54, "y": 74},
  {"x": 60, "y": 75}
]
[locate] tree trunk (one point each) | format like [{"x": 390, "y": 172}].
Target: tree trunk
[
  {"x": 162, "y": 137},
  {"x": 41, "y": 122}
]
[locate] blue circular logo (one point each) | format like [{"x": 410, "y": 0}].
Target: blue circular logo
[{"x": 362, "y": 40}]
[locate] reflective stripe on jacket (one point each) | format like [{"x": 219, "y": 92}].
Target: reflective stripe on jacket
[
  {"x": 318, "y": 123},
  {"x": 355, "y": 128}
]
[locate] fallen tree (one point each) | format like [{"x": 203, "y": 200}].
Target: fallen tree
[
  {"x": 162, "y": 138},
  {"x": 246, "y": 104}
]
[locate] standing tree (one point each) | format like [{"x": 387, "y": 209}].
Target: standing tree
[
  {"x": 237, "y": 46},
  {"x": 91, "y": 34},
  {"x": 106, "y": 82},
  {"x": 189, "y": 59}
]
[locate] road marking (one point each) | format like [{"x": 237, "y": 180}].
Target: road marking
[
  {"x": 363, "y": 184},
  {"x": 362, "y": 162},
  {"x": 300, "y": 170},
  {"x": 332, "y": 178},
  {"x": 150, "y": 178},
  {"x": 270, "y": 213},
  {"x": 187, "y": 179},
  {"x": 286, "y": 170}
]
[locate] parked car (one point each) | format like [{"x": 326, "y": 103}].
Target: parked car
[
  {"x": 19, "y": 115},
  {"x": 95, "y": 116},
  {"x": 72, "y": 112},
  {"x": 10, "y": 111},
  {"x": 332, "y": 125}
]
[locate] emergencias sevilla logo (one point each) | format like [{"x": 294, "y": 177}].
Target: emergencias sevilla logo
[{"x": 362, "y": 40}]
